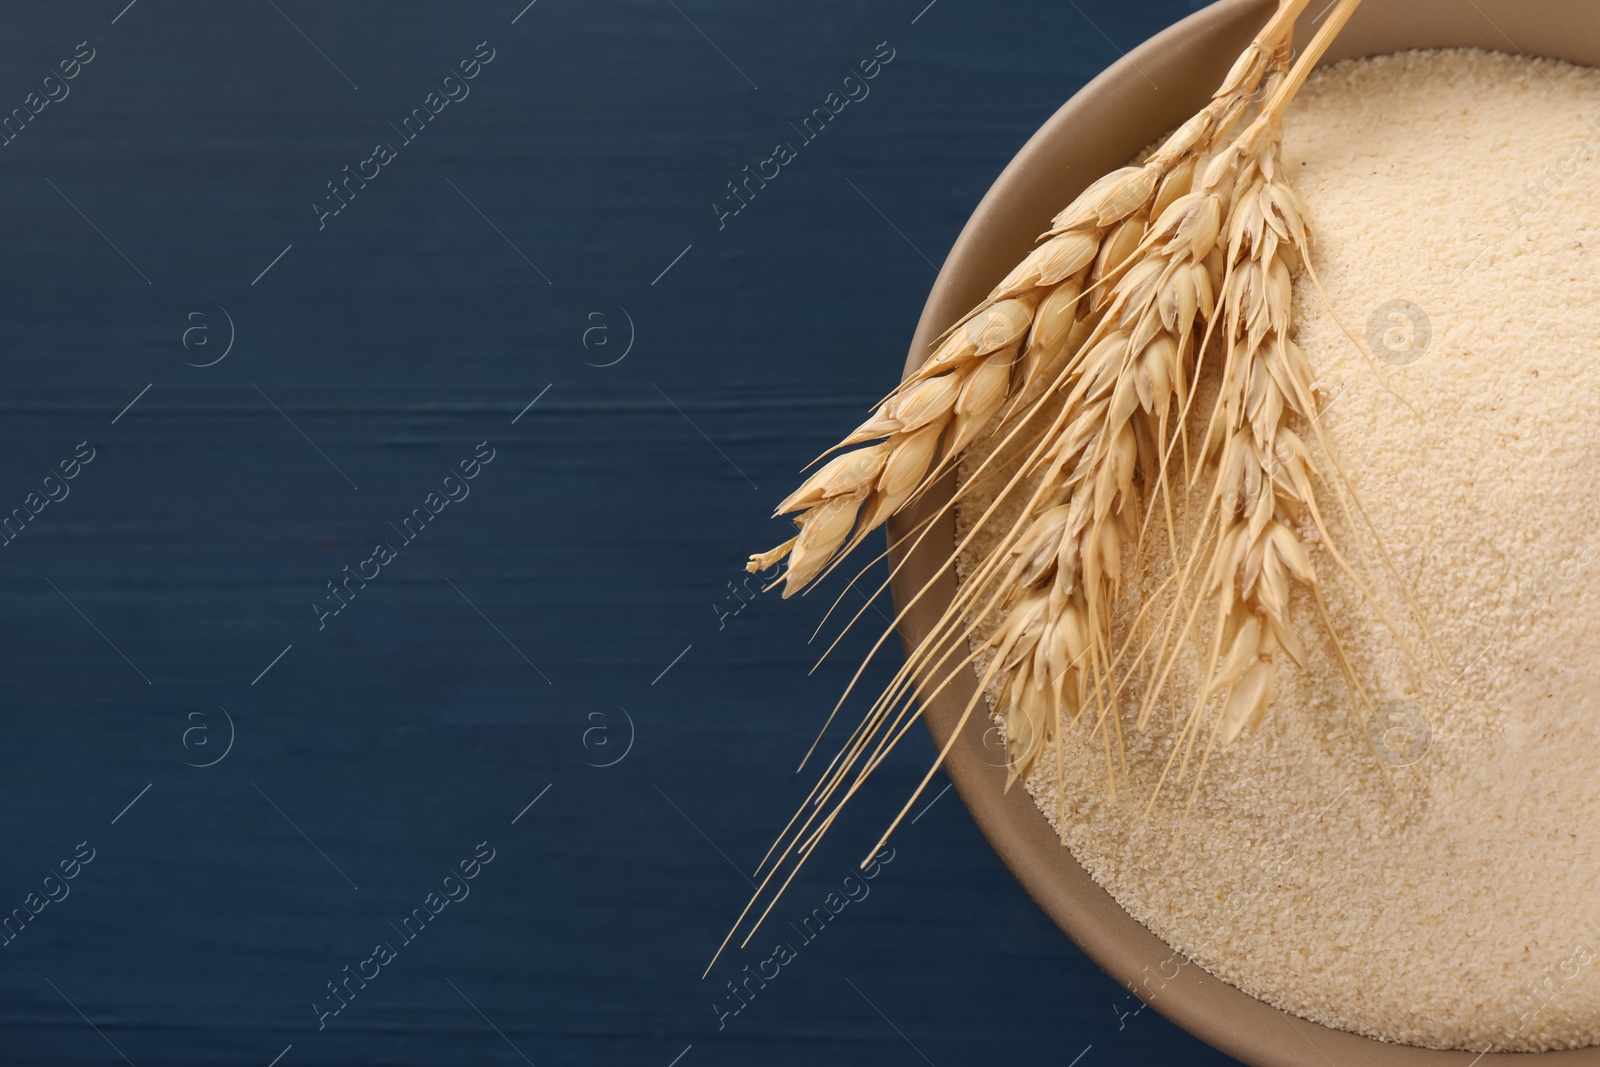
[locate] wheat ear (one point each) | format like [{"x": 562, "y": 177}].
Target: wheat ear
[
  {"x": 1015, "y": 338},
  {"x": 1263, "y": 482}
]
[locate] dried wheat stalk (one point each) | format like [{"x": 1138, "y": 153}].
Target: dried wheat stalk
[{"x": 1112, "y": 314}]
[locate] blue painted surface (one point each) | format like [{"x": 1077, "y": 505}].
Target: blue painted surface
[{"x": 573, "y": 595}]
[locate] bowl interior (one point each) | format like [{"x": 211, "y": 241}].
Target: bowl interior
[{"x": 1150, "y": 91}]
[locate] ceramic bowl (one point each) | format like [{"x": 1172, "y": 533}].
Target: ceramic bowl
[{"x": 1138, "y": 99}]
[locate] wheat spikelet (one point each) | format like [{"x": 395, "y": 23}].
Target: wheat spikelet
[{"x": 1016, "y": 338}]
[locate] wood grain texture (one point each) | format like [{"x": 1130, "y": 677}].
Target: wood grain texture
[{"x": 598, "y": 544}]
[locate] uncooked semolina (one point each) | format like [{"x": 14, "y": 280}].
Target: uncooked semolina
[{"x": 1431, "y": 877}]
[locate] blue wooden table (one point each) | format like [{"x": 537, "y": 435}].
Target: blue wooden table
[{"x": 391, "y": 394}]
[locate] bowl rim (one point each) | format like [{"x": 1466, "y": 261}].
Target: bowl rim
[{"x": 1101, "y": 127}]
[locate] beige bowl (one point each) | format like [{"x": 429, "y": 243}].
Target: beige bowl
[{"x": 1137, "y": 100}]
